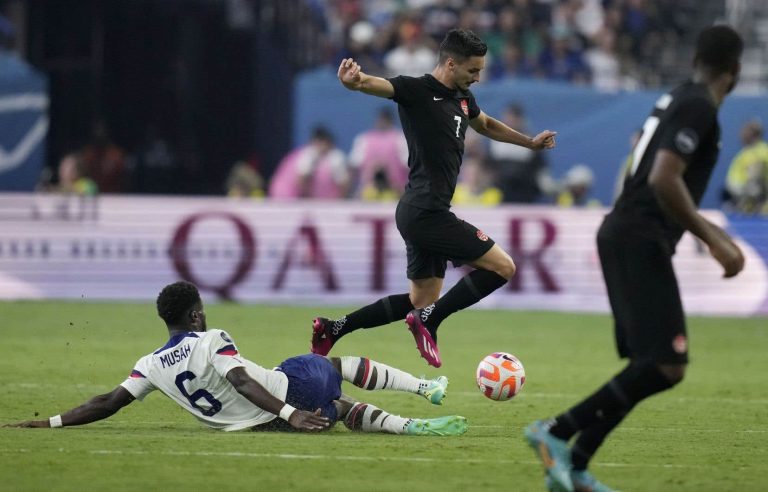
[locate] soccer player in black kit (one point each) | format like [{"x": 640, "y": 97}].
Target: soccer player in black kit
[
  {"x": 672, "y": 164},
  {"x": 435, "y": 111}
]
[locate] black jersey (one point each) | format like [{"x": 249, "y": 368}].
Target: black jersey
[
  {"x": 683, "y": 121},
  {"x": 434, "y": 119}
]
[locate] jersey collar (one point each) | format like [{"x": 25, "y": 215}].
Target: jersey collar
[
  {"x": 443, "y": 89},
  {"x": 174, "y": 340}
]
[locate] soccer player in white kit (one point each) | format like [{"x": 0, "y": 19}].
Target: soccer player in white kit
[{"x": 203, "y": 372}]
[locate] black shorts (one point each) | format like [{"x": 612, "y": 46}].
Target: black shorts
[
  {"x": 642, "y": 289},
  {"x": 432, "y": 237}
]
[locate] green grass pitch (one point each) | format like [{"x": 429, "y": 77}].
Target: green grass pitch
[{"x": 710, "y": 433}]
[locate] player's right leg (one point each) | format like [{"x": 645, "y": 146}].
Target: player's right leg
[
  {"x": 326, "y": 332},
  {"x": 371, "y": 375},
  {"x": 424, "y": 292},
  {"x": 554, "y": 455}
]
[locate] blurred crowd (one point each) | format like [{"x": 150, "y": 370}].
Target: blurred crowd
[
  {"x": 376, "y": 169},
  {"x": 611, "y": 44}
]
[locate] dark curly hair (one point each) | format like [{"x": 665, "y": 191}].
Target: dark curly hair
[
  {"x": 461, "y": 44},
  {"x": 175, "y": 301},
  {"x": 718, "y": 48}
]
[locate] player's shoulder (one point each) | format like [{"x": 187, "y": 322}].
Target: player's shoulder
[
  {"x": 693, "y": 94},
  {"x": 410, "y": 82},
  {"x": 216, "y": 334}
]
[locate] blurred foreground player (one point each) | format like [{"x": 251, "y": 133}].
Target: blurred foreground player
[
  {"x": 202, "y": 371},
  {"x": 672, "y": 164}
]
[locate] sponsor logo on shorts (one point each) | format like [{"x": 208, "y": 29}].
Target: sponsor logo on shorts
[
  {"x": 481, "y": 235},
  {"x": 680, "y": 344}
]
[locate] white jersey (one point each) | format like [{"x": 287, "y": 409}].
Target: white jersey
[{"x": 191, "y": 369}]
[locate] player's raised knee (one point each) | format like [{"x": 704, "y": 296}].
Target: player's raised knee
[{"x": 507, "y": 269}]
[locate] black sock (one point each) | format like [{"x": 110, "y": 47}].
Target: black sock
[
  {"x": 590, "y": 439},
  {"x": 467, "y": 291},
  {"x": 636, "y": 382},
  {"x": 381, "y": 312}
]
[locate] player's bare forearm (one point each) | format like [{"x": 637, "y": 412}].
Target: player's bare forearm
[
  {"x": 352, "y": 77},
  {"x": 97, "y": 408},
  {"x": 496, "y": 130},
  {"x": 259, "y": 396},
  {"x": 253, "y": 391},
  {"x": 666, "y": 180}
]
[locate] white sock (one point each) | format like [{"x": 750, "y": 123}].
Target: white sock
[
  {"x": 365, "y": 417},
  {"x": 371, "y": 375}
]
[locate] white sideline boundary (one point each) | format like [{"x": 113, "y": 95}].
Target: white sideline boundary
[
  {"x": 292, "y": 456},
  {"x": 522, "y": 396}
]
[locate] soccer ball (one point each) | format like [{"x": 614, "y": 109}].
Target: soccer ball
[{"x": 500, "y": 376}]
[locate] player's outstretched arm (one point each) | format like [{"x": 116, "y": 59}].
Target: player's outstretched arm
[
  {"x": 259, "y": 396},
  {"x": 666, "y": 180},
  {"x": 354, "y": 79},
  {"x": 97, "y": 408},
  {"x": 496, "y": 130}
]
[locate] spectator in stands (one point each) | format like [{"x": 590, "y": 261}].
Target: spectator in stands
[
  {"x": 746, "y": 185},
  {"x": 475, "y": 185},
  {"x": 562, "y": 59},
  {"x": 511, "y": 63},
  {"x": 475, "y": 182},
  {"x": 380, "y": 155},
  {"x": 316, "y": 170},
  {"x": 244, "y": 181},
  {"x": 103, "y": 160},
  {"x": 360, "y": 46},
  {"x": 521, "y": 174},
  {"x": 576, "y": 188},
  {"x": 603, "y": 62},
  {"x": 412, "y": 57},
  {"x": 380, "y": 189},
  {"x": 72, "y": 180}
]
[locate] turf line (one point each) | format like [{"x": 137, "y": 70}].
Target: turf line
[{"x": 290, "y": 456}]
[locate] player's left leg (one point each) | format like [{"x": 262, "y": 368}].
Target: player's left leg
[
  {"x": 365, "y": 417},
  {"x": 371, "y": 375}
]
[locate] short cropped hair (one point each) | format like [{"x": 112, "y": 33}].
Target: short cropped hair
[
  {"x": 461, "y": 44},
  {"x": 175, "y": 300},
  {"x": 718, "y": 48}
]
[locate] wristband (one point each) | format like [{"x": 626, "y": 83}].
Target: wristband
[
  {"x": 55, "y": 421},
  {"x": 286, "y": 412}
]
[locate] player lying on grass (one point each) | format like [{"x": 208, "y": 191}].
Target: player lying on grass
[{"x": 203, "y": 372}]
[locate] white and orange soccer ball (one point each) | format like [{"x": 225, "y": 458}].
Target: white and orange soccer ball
[{"x": 500, "y": 376}]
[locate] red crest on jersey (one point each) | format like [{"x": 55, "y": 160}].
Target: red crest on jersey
[
  {"x": 680, "y": 344},
  {"x": 465, "y": 107},
  {"x": 481, "y": 235}
]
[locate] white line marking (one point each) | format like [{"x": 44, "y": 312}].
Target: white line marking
[{"x": 408, "y": 459}]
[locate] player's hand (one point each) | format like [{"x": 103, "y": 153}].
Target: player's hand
[
  {"x": 349, "y": 74},
  {"x": 36, "y": 424},
  {"x": 309, "y": 421},
  {"x": 544, "y": 140},
  {"x": 726, "y": 252}
]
